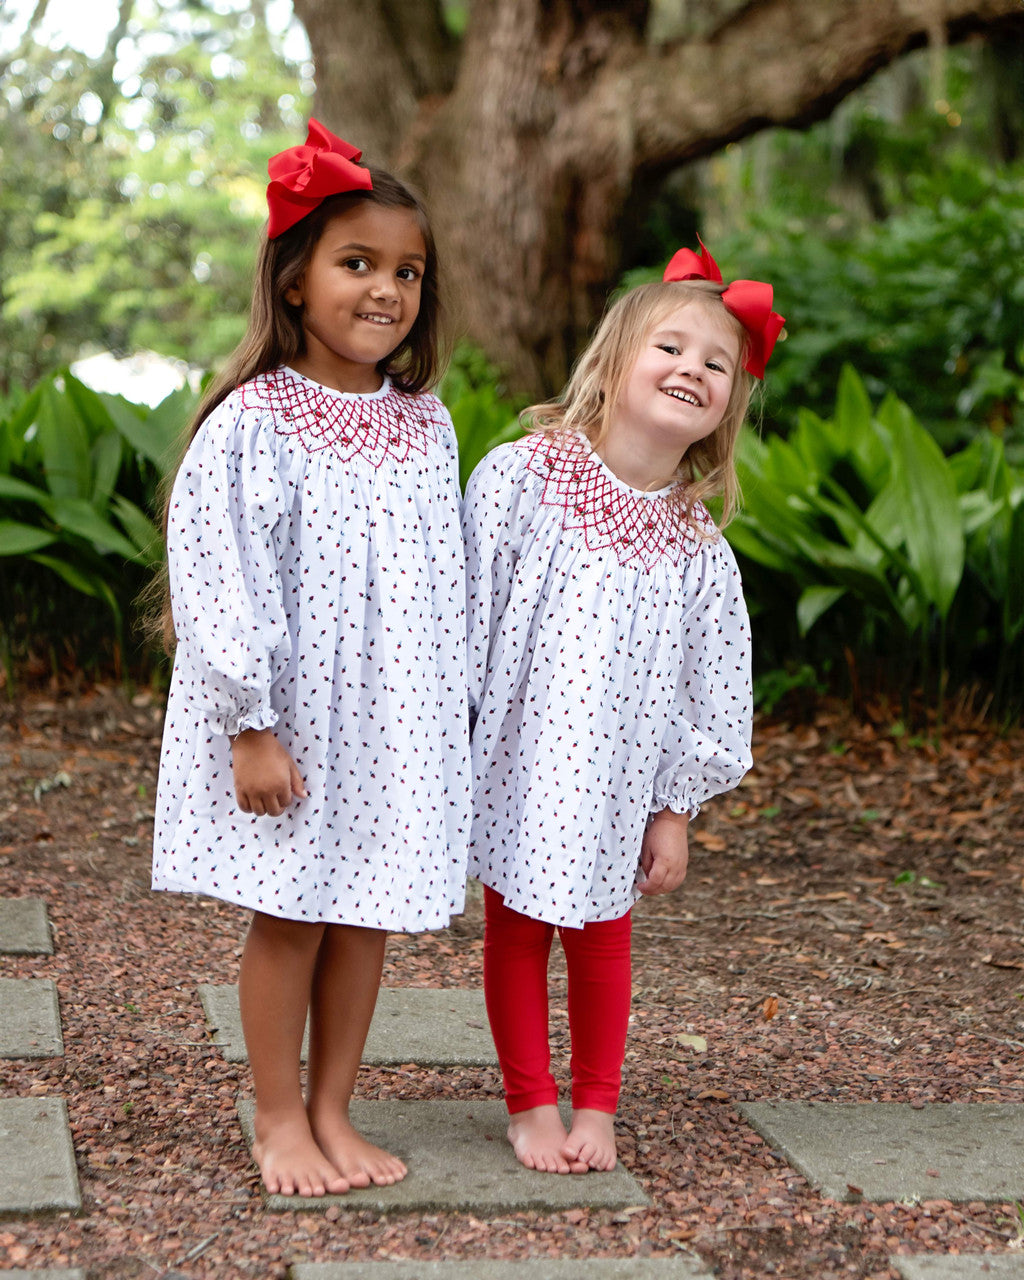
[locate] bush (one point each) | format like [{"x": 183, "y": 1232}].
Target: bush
[
  {"x": 79, "y": 473},
  {"x": 928, "y": 304},
  {"x": 858, "y": 537}
]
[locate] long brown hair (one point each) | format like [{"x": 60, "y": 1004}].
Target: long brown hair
[
  {"x": 275, "y": 337},
  {"x": 590, "y": 396}
]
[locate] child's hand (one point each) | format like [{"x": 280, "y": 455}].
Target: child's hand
[
  {"x": 664, "y": 853},
  {"x": 266, "y": 777}
]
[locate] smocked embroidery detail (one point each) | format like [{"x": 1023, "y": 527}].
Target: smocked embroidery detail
[
  {"x": 641, "y": 530},
  {"x": 392, "y": 426}
]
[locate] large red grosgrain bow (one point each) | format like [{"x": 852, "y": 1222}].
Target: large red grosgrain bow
[
  {"x": 303, "y": 177},
  {"x": 750, "y": 301}
]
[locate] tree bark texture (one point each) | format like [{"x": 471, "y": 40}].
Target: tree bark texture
[{"x": 534, "y": 137}]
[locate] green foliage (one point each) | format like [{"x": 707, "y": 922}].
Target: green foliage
[
  {"x": 857, "y": 536},
  {"x": 893, "y": 234},
  {"x": 79, "y": 474},
  {"x": 929, "y": 304},
  {"x": 482, "y": 416},
  {"x": 131, "y": 204}
]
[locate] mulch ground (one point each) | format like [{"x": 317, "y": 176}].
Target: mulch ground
[{"x": 851, "y": 930}]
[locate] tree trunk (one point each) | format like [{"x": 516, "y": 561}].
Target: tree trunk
[{"x": 561, "y": 113}]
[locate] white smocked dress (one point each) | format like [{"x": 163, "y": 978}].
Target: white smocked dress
[
  {"x": 317, "y": 580},
  {"x": 609, "y": 670}
]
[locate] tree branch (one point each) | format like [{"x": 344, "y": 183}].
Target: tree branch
[{"x": 690, "y": 99}]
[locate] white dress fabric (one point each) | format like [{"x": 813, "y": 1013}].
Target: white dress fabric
[
  {"x": 609, "y": 670},
  {"x": 317, "y": 580}
]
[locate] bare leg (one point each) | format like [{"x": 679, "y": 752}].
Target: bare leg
[
  {"x": 274, "y": 983},
  {"x": 345, "y": 986}
]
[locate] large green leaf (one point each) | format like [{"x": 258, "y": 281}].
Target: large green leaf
[
  {"x": 933, "y": 525},
  {"x": 813, "y": 602},
  {"x": 21, "y": 491},
  {"x": 143, "y": 532},
  {"x": 157, "y": 434},
  {"x": 64, "y": 442},
  {"x": 88, "y": 583},
  {"x": 21, "y": 539},
  {"x": 77, "y": 516},
  {"x": 107, "y": 454}
]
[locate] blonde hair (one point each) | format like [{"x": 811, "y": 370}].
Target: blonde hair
[{"x": 600, "y": 374}]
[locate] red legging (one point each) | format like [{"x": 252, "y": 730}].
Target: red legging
[{"x": 516, "y": 951}]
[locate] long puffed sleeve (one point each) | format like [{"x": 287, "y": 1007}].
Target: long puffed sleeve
[
  {"x": 492, "y": 527},
  {"x": 226, "y": 593},
  {"x": 446, "y": 430},
  {"x": 706, "y": 747}
]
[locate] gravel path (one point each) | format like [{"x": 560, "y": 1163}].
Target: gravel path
[{"x": 851, "y": 929}]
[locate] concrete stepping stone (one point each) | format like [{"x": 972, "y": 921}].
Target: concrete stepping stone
[
  {"x": 24, "y": 928},
  {"x": 883, "y": 1151},
  {"x": 680, "y": 1268},
  {"x": 60, "y": 1273},
  {"x": 37, "y": 1159},
  {"x": 29, "y": 1019},
  {"x": 965, "y": 1266},
  {"x": 459, "y": 1160},
  {"x": 425, "y": 1025}
]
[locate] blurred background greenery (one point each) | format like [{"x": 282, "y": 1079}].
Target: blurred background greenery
[{"x": 882, "y": 538}]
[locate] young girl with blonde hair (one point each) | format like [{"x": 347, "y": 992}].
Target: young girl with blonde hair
[{"x": 609, "y": 657}]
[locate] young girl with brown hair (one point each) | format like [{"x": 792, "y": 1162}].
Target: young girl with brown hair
[
  {"x": 314, "y": 764},
  {"x": 609, "y": 674}
]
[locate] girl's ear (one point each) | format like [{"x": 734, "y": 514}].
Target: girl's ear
[{"x": 293, "y": 293}]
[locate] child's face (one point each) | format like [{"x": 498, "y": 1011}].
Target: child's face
[
  {"x": 680, "y": 385},
  {"x": 360, "y": 294}
]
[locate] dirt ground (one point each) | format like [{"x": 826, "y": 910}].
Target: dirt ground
[{"x": 852, "y": 928}]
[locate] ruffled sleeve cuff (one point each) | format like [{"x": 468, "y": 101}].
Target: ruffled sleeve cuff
[
  {"x": 231, "y": 723},
  {"x": 677, "y": 804}
]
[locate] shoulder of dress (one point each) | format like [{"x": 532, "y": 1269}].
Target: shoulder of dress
[
  {"x": 506, "y": 462},
  {"x": 426, "y": 405},
  {"x": 703, "y": 522},
  {"x": 235, "y": 414}
]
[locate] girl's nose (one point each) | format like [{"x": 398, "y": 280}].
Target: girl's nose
[{"x": 382, "y": 286}]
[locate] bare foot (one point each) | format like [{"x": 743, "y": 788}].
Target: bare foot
[
  {"x": 359, "y": 1161},
  {"x": 591, "y": 1139},
  {"x": 538, "y": 1138},
  {"x": 290, "y": 1162}
]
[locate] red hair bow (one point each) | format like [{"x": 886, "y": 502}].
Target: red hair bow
[
  {"x": 303, "y": 177},
  {"x": 750, "y": 301}
]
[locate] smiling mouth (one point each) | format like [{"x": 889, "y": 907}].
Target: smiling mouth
[
  {"x": 375, "y": 317},
  {"x": 687, "y": 397}
]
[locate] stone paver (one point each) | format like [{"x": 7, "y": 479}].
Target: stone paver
[
  {"x": 29, "y": 1019},
  {"x": 37, "y": 1160},
  {"x": 61, "y": 1273},
  {"x": 882, "y": 1151},
  {"x": 459, "y": 1160},
  {"x": 24, "y": 928},
  {"x": 425, "y": 1025},
  {"x": 680, "y": 1268},
  {"x": 977, "y": 1266}
]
